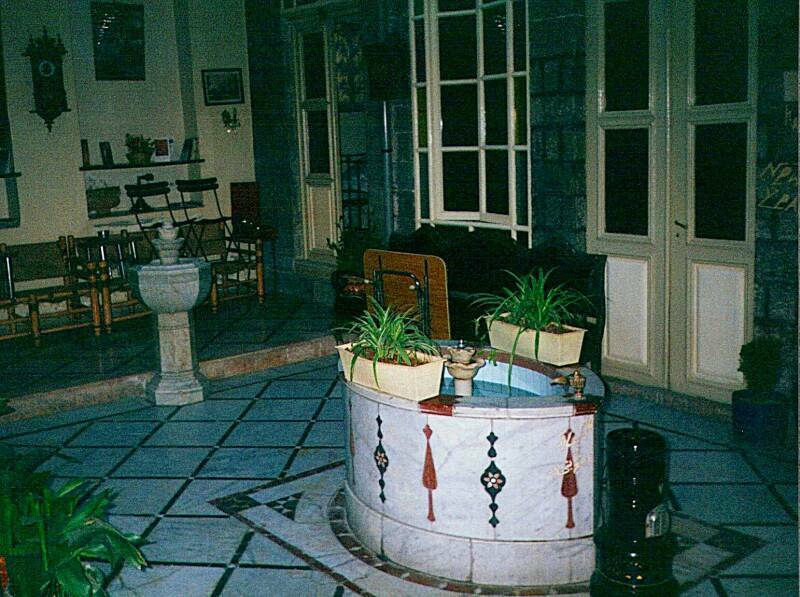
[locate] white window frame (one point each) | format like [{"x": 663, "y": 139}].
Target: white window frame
[{"x": 432, "y": 146}]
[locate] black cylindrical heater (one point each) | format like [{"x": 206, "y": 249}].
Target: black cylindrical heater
[{"x": 634, "y": 543}]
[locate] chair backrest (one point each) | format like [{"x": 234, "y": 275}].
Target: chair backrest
[
  {"x": 6, "y": 275},
  {"x": 207, "y": 239},
  {"x": 38, "y": 261},
  {"x": 197, "y": 185},
  {"x": 395, "y": 276},
  {"x": 245, "y": 208}
]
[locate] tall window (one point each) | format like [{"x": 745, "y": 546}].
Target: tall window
[
  {"x": 9, "y": 203},
  {"x": 471, "y": 133}
]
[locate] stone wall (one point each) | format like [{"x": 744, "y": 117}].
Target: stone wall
[
  {"x": 776, "y": 165},
  {"x": 558, "y": 120}
]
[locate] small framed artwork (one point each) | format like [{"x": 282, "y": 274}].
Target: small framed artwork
[
  {"x": 223, "y": 86},
  {"x": 105, "y": 153},
  {"x": 164, "y": 149}
]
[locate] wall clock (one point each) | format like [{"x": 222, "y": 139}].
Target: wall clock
[{"x": 50, "y": 98}]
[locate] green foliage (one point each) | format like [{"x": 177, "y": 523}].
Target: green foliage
[
  {"x": 390, "y": 336},
  {"x": 531, "y": 305},
  {"x": 350, "y": 245},
  {"x": 52, "y": 539},
  {"x": 139, "y": 144},
  {"x": 759, "y": 362}
]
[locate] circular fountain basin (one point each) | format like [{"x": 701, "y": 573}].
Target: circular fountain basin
[
  {"x": 493, "y": 489},
  {"x": 171, "y": 288}
]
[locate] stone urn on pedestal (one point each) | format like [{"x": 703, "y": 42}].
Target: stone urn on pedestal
[{"x": 171, "y": 287}]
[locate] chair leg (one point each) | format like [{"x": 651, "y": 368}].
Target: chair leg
[
  {"x": 260, "y": 272},
  {"x": 105, "y": 291},
  {"x": 94, "y": 298},
  {"x": 36, "y": 329},
  {"x": 214, "y": 298}
]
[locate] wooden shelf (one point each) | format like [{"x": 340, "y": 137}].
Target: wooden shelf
[
  {"x": 11, "y": 175},
  {"x": 176, "y": 207},
  {"x": 139, "y": 167}
]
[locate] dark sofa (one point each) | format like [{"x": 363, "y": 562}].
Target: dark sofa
[{"x": 478, "y": 262}]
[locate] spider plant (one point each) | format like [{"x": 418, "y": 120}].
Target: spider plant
[
  {"x": 384, "y": 334},
  {"x": 531, "y": 304},
  {"x": 52, "y": 539}
]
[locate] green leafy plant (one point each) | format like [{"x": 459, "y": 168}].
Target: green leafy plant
[
  {"x": 531, "y": 305},
  {"x": 389, "y": 336},
  {"x": 139, "y": 144},
  {"x": 51, "y": 540},
  {"x": 759, "y": 362}
]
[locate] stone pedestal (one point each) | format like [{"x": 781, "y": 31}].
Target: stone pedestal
[{"x": 179, "y": 381}]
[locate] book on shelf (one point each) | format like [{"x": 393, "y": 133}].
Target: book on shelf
[{"x": 189, "y": 150}]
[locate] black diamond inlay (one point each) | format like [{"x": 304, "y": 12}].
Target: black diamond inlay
[
  {"x": 493, "y": 479},
  {"x": 286, "y": 505}
]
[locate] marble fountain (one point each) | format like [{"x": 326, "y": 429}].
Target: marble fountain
[{"x": 493, "y": 489}]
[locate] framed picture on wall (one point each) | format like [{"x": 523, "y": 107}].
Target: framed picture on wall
[
  {"x": 164, "y": 149},
  {"x": 118, "y": 36},
  {"x": 223, "y": 86}
]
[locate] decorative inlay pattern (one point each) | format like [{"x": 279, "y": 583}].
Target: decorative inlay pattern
[
  {"x": 286, "y": 505},
  {"x": 429, "y": 472},
  {"x": 569, "y": 482},
  {"x": 381, "y": 459},
  {"x": 493, "y": 479}
]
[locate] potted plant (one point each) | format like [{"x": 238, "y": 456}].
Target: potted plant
[
  {"x": 391, "y": 354},
  {"x": 350, "y": 296},
  {"x": 759, "y": 413},
  {"x": 101, "y": 197},
  {"x": 530, "y": 319},
  {"x": 53, "y": 540},
  {"x": 140, "y": 149}
]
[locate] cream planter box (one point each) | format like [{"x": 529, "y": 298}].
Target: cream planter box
[
  {"x": 414, "y": 383},
  {"x": 556, "y": 349}
]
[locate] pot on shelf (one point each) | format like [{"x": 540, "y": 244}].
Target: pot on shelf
[
  {"x": 102, "y": 200},
  {"x": 139, "y": 158}
]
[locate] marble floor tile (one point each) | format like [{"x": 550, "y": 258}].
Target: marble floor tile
[
  {"x": 332, "y": 411},
  {"x": 709, "y": 466},
  {"x": 167, "y": 581},
  {"x": 141, "y": 496},
  {"x": 148, "y": 413},
  {"x": 188, "y": 433},
  {"x": 194, "y": 540},
  {"x": 247, "y": 582},
  {"x": 326, "y": 433},
  {"x": 270, "y": 433},
  {"x": 778, "y": 556},
  {"x": 211, "y": 410},
  {"x": 194, "y": 499},
  {"x": 729, "y": 504},
  {"x": 759, "y": 586},
  {"x": 111, "y": 433},
  {"x": 775, "y": 465},
  {"x": 54, "y": 437},
  {"x": 275, "y": 409},
  {"x": 262, "y": 550},
  {"x": 249, "y": 463},
  {"x": 311, "y": 458},
  {"x": 250, "y": 390},
  {"x": 162, "y": 462},
  {"x": 297, "y": 388},
  {"x": 84, "y": 462}
]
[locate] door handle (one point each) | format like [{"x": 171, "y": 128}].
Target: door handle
[{"x": 681, "y": 224}]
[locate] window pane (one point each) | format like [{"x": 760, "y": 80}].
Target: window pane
[
  {"x": 497, "y": 182},
  {"x": 314, "y": 65},
  {"x": 456, "y": 5},
  {"x": 720, "y": 33},
  {"x": 520, "y": 50},
  {"x": 626, "y": 189},
  {"x": 424, "y": 206},
  {"x": 496, "y": 112},
  {"x": 459, "y": 115},
  {"x": 318, "y": 159},
  {"x": 521, "y": 165},
  {"x": 457, "y": 48},
  {"x": 521, "y": 110},
  {"x": 460, "y": 172},
  {"x": 419, "y": 7},
  {"x": 720, "y": 181},
  {"x": 419, "y": 50},
  {"x": 494, "y": 40},
  {"x": 626, "y": 55},
  {"x": 422, "y": 117}
]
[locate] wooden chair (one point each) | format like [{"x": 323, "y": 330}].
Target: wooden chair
[
  {"x": 43, "y": 274},
  {"x": 408, "y": 280},
  {"x": 111, "y": 256},
  {"x": 237, "y": 265}
]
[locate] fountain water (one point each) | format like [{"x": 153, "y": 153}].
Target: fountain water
[{"x": 171, "y": 287}]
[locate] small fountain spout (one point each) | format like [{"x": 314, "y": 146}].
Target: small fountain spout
[{"x": 463, "y": 365}]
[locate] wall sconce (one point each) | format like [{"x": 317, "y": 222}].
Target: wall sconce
[{"x": 230, "y": 120}]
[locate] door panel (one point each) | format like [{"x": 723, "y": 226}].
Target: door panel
[
  {"x": 321, "y": 215},
  {"x": 627, "y": 291}
]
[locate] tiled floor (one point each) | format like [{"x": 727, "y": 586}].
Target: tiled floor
[
  {"x": 265, "y": 437},
  {"x": 77, "y": 357}
]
